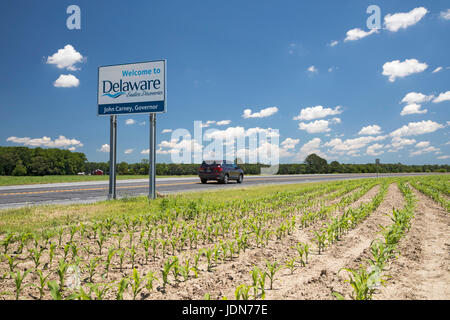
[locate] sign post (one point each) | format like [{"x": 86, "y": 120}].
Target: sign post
[
  {"x": 112, "y": 157},
  {"x": 377, "y": 162},
  {"x": 132, "y": 88},
  {"x": 152, "y": 158}
]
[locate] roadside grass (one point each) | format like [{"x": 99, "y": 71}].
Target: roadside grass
[
  {"x": 13, "y": 180},
  {"x": 34, "y": 218}
]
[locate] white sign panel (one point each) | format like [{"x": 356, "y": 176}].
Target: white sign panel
[{"x": 132, "y": 88}]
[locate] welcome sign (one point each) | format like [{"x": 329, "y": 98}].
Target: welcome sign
[{"x": 132, "y": 88}]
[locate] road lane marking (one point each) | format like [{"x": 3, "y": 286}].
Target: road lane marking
[{"x": 135, "y": 186}]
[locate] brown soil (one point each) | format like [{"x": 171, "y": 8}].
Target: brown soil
[{"x": 422, "y": 271}]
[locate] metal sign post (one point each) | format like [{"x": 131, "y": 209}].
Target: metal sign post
[
  {"x": 152, "y": 158},
  {"x": 112, "y": 157},
  {"x": 132, "y": 88},
  {"x": 377, "y": 162}
]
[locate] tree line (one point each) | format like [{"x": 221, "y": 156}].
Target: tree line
[{"x": 21, "y": 161}]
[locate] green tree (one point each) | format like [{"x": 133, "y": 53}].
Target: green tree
[
  {"x": 316, "y": 164},
  {"x": 20, "y": 169}
]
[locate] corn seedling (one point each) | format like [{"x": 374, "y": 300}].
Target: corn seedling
[
  {"x": 121, "y": 258},
  {"x": 55, "y": 290},
  {"x": 132, "y": 255},
  {"x": 242, "y": 292},
  {"x": 272, "y": 270},
  {"x": 7, "y": 241},
  {"x": 111, "y": 253},
  {"x": 150, "y": 277},
  {"x": 42, "y": 282},
  {"x": 11, "y": 262},
  {"x": 320, "y": 238},
  {"x": 121, "y": 287},
  {"x": 136, "y": 284},
  {"x": 165, "y": 271},
  {"x": 93, "y": 263},
  {"x": 185, "y": 270},
  {"x": 290, "y": 264},
  {"x": 18, "y": 281},
  {"x": 62, "y": 270}
]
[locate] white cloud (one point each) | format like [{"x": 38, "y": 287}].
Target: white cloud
[
  {"x": 317, "y": 112},
  {"x": 130, "y": 121},
  {"x": 66, "y": 81},
  {"x": 309, "y": 148},
  {"x": 413, "y": 109},
  {"x": 60, "y": 142},
  {"x": 313, "y": 69},
  {"x": 404, "y": 20},
  {"x": 417, "y": 128},
  {"x": 333, "y": 43},
  {"x": 443, "y": 157},
  {"x": 104, "y": 148},
  {"x": 423, "y": 144},
  {"x": 223, "y": 122},
  {"x": 317, "y": 126},
  {"x": 167, "y": 131},
  {"x": 289, "y": 143},
  {"x": 372, "y": 150},
  {"x": 142, "y": 123},
  {"x": 267, "y": 112},
  {"x": 416, "y": 97},
  {"x": 370, "y": 130},
  {"x": 399, "y": 143},
  {"x": 396, "y": 69},
  {"x": 356, "y": 34},
  {"x": 66, "y": 58},
  {"x": 437, "y": 69},
  {"x": 424, "y": 150},
  {"x": 146, "y": 151},
  {"x": 445, "y": 96},
  {"x": 128, "y": 151},
  {"x": 344, "y": 147},
  {"x": 445, "y": 14}
]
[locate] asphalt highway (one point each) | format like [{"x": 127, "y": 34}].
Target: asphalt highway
[{"x": 88, "y": 192}]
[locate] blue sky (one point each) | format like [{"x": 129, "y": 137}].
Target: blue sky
[{"x": 274, "y": 58}]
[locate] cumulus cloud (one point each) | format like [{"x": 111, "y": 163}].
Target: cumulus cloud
[
  {"x": 223, "y": 122},
  {"x": 66, "y": 81},
  {"x": 267, "y": 112},
  {"x": 66, "y": 58},
  {"x": 289, "y": 143},
  {"x": 104, "y": 148},
  {"x": 356, "y": 34},
  {"x": 309, "y": 148},
  {"x": 437, "y": 69},
  {"x": 167, "y": 131},
  {"x": 372, "y": 150},
  {"x": 128, "y": 151},
  {"x": 399, "y": 143},
  {"x": 370, "y": 130},
  {"x": 413, "y": 109},
  {"x": 333, "y": 43},
  {"x": 350, "y": 146},
  {"x": 443, "y": 157},
  {"x": 130, "y": 121},
  {"x": 423, "y": 144},
  {"x": 318, "y": 126},
  {"x": 60, "y": 142},
  {"x": 313, "y": 69},
  {"x": 445, "y": 96},
  {"x": 445, "y": 14},
  {"x": 424, "y": 150},
  {"x": 416, "y": 97},
  {"x": 403, "y": 20},
  {"x": 317, "y": 112},
  {"x": 417, "y": 128},
  {"x": 396, "y": 69}
]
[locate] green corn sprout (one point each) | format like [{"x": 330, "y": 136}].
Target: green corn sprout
[
  {"x": 272, "y": 270},
  {"x": 7, "y": 241},
  {"x": 51, "y": 254},
  {"x": 55, "y": 290},
  {"x": 290, "y": 264},
  {"x": 93, "y": 263},
  {"x": 165, "y": 271},
  {"x": 18, "y": 281},
  {"x": 62, "y": 270},
  {"x": 154, "y": 245},
  {"x": 121, "y": 287},
  {"x": 146, "y": 244},
  {"x": 111, "y": 253},
  {"x": 132, "y": 255},
  {"x": 42, "y": 282},
  {"x": 121, "y": 258},
  {"x": 11, "y": 262},
  {"x": 242, "y": 291},
  {"x": 150, "y": 278},
  {"x": 185, "y": 269}
]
